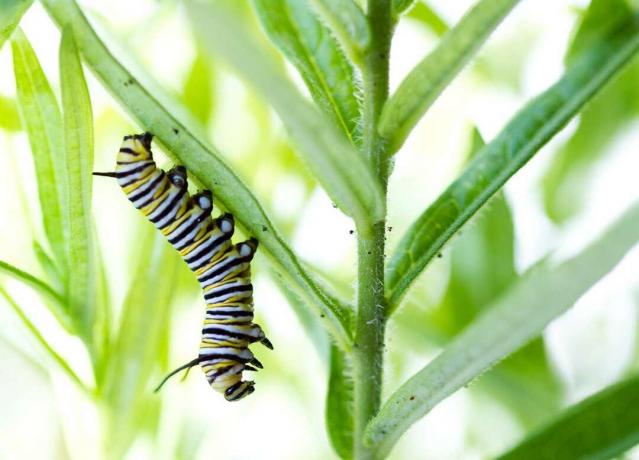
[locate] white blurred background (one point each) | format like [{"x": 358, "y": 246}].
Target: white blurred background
[{"x": 594, "y": 344}]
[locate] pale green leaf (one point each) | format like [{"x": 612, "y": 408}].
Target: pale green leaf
[
  {"x": 428, "y": 79},
  {"x": 9, "y": 116},
  {"x": 78, "y": 137},
  {"x": 600, "y": 427},
  {"x": 11, "y": 12},
  {"x": 133, "y": 367},
  {"x": 54, "y": 300},
  {"x": 348, "y": 22},
  {"x": 309, "y": 45},
  {"x": 163, "y": 117},
  {"x": 524, "y": 135},
  {"x": 41, "y": 118},
  {"x": 198, "y": 88},
  {"x": 339, "y": 403},
  {"x": 41, "y": 341},
  {"x": 342, "y": 171},
  {"x": 47, "y": 264},
  {"x": 521, "y": 314}
]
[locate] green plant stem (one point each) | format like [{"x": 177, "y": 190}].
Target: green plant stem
[{"x": 368, "y": 352}]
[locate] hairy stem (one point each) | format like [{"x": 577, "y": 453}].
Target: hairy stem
[{"x": 370, "y": 322}]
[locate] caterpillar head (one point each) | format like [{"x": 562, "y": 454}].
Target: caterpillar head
[
  {"x": 239, "y": 390},
  {"x": 138, "y": 145}
]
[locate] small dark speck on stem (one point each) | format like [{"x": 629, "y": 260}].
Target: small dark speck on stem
[
  {"x": 322, "y": 315},
  {"x": 440, "y": 255},
  {"x": 390, "y": 229},
  {"x": 412, "y": 398},
  {"x": 368, "y": 252},
  {"x": 334, "y": 205},
  {"x": 264, "y": 228},
  {"x": 176, "y": 131},
  {"x": 351, "y": 232}
]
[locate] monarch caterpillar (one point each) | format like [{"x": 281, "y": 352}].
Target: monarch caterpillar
[{"x": 223, "y": 269}]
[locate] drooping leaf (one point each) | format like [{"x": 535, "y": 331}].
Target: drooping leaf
[
  {"x": 11, "y": 12},
  {"x": 602, "y": 426},
  {"x": 482, "y": 269},
  {"x": 427, "y": 80},
  {"x": 164, "y": 117},
  {"x": 566, "y": 182},
  {"x": 78, "y": 142},
  {"x": 339, "y": 403},
  {"x": 310, "y": 46},
  {"x": 41, "y": 118},
  {"x": 518, "y": 316},
  {"x": 348, "y": 22},
  {"x": 524, "y": 135}
]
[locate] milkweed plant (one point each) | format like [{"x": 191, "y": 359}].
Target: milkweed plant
[{"x": 284, "y": 110}]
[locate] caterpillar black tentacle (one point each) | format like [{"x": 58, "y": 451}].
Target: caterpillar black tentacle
[{"x": 222, "y": 268}]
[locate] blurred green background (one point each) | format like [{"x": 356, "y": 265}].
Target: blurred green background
[{"x": 577, "y": 185}]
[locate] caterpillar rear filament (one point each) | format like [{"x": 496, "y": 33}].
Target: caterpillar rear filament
[{"x": 222, "y": 268}]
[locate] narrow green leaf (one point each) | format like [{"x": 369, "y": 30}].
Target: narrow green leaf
[
  {"x": 428, "y": 79},
  {"x": 423, "y": 13},
  {"x": 340, "y": 169},
  {"x": 202, "y": 160},
  {"x": 9, "y": 116},
  {"x": 78, "y": 136},
  {"x": 39, "y": 338},
  {"x": 55, "y": 301},
  {"x": 524, "y": 135},
  {"x": 600, "y": 427},
  {"x": 348, "y": 22},
  {"x": 198, "y": 88},
  {"x": 134, "y": 356},
  {"x": 339, "y": 404},
  {"x": 42, "y": 120},
  {"x": 521, "y": 314},
  {"x": 309, "y": 45},
  {"x": 11, "y": 12}
]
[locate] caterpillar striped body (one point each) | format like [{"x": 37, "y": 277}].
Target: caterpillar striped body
[{"x": 222, "y": 268}]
